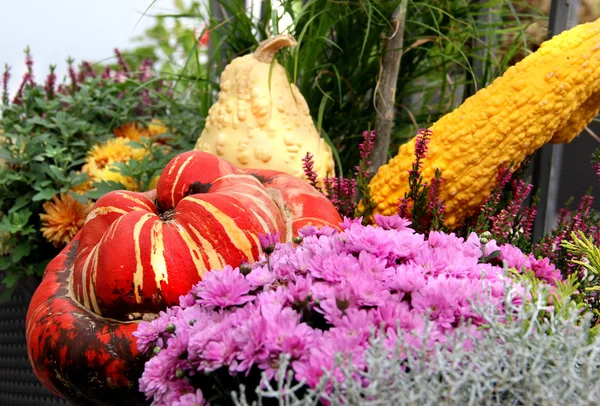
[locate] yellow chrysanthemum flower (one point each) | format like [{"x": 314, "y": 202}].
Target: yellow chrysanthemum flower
[
  {"x": 156, "y": 127},
  {"x": 63, "y": 218},
  {"x": 114, "y": 150},
  {"x": 100, "y": 159}
]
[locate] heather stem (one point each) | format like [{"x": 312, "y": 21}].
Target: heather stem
[
  {"x": 5, "y": 79},
  {"x": 121, "y": 61}
]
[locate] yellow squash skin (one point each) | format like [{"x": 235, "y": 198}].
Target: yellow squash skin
[
  {"x": 550, "y": 96},
  {"x": 261, "y": 120}
]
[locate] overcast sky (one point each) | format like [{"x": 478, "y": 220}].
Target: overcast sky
[{"x": 57, "y": 29}]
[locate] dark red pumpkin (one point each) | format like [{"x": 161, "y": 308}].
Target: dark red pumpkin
[{"x": 138, "y": 252}]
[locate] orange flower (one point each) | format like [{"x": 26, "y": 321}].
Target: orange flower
[
  {"x": 132, "y": 131},
  {"x": 63, "y": 218}
]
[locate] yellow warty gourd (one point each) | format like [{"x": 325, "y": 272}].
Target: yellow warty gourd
[
  {"x": 261, "y": 120},
  {"x": 550, "y": 96}
]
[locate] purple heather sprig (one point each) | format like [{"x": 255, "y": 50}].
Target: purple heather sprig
[
  {"x": 5, "y": 79},
  {"x": 510, "y": 219},
  {"x": 505, "y": 213},
  {"x": 121, "y": 61},
  {"x": 596, "y": 162},
  {"x": 27, "y": 78},
  {"x": 308, "y": 164},
  {"x": 436, "y": 206},
  {"x": 29, "y": 64},
  {"x": 582, "y": 219},
  {"x": 18, "y": 99},
  {"x": 365, "y": 148},
  {"x": 422, "y": 203},
  {"x": 86, "y": 67},
  {"x": 50, "y": 83},
  {"x": 72, "y": 74}
]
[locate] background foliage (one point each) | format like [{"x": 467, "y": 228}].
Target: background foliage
[
  {"x": 47, "y": 131},
  {"x": 450, "y": 52}
]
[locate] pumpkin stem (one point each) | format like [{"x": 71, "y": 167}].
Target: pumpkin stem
[
  {"x": 167, "y": 215},
  {"x": 268, "y": 48}
]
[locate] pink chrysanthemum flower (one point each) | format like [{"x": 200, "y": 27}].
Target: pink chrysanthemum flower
[
  {"x": 394, "y": 222},
  {"x": 224, "y": 288}
]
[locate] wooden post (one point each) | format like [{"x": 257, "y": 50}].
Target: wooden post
[
  {"x": 385, "y": 92},
  {"x": 547, "y": 161},
  {"x": 220, "y": 15}
]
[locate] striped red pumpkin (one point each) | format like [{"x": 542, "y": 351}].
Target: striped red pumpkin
[{"x": 138, "y": 252}]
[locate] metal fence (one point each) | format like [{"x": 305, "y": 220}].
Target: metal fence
[{"x": 18, "y": 384}]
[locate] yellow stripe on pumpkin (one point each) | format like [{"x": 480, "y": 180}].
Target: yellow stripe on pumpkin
[
  {"x": 84, "y": 278},
  {"x": 215, "y": 260},
  {"x": 179, "y": 172},
  {"x": 263, "y": 206},
  {"x": 195, "y": 251},
  {"x": 157, "y": 254},
  {"x": 234, "y": 232},
  {"x": 137, "y": 201},
  {"x": 93, "y": 299},
  {"x": 138, "y": 275},
  {"x": 104, "y": 210}
]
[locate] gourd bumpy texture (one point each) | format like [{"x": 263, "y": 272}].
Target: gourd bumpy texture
[
  {"x": 261, "y": 120},
  {"x": 550, "y": 96}
]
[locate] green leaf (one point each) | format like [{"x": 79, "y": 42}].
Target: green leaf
[
  {"x": 21, "y": 202},
  {"x": 20, "y": 251},
  {"x": 10, "y": 280},
  {"x": 44, "y": 194}
]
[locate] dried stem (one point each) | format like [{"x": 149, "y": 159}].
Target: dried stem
[
  {"x": 385, "y": 93},
  {"x": 268, "y": 48}
]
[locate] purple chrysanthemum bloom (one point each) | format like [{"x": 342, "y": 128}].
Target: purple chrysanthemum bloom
[
  {"x": 220, "y": 350},
  {"x": 187, "y": 300},
  {"x": 159, "y": 379},
  {"x": 260, "y": 277},
  {"x": 325, "y": 297},
  {"x": 544, "y": 270},
  {"x": 491, "y": 248},
  {"x": 407, "y": 278},
  {"x": 148, "y": 333},
  {"x": 308, "y": 231},
  {"x": 224, "y": 288},
  {"x": 269, "y": 241},
  {"x": 367, "y": 289},
  {"x": 299, "y": 291},
  {"x": 377, "y": 241},
  {"x": 349, "y": 222},
  {"x": 394, "y": 222},
  {"x": 191, "y": 399},
  {"x": 513, "y": 257}
]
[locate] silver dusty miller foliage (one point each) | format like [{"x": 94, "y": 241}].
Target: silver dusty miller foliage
[{"x": 536, "y": 356}]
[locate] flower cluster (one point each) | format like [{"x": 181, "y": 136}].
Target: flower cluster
[
  {"x": 325, "y": 298},
  {"x": 100, "y": 128},
  {"x": 344, "y": 192},
  {"x": 505, "y": 213}
]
